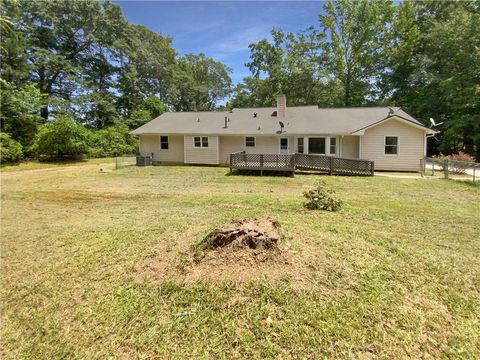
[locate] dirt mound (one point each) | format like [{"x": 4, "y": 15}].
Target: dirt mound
[{"x": 258, "y": 234}]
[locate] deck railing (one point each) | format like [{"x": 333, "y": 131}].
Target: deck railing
[
  {"x": 243, "y": 161},
  {"x": 334, "y": 165},
  {"x": 291, "y": 162}
]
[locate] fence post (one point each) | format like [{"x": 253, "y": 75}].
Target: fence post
[
  {"x": 261, "y": 160},
  {"x": 445, "y": 168},
  {"x": 331, "y": 165},
  {"x": 372, "y": 169},
  {"x": 422, "y": 167}
]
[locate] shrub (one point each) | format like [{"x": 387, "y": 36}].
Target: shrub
[
  {"x": 460, "y": 162},
  {"x": 439, "y": 160},
  {"x": 62, "y": 138},
  {"x": 320, "y": 197},
  {"x": 10, "y": 150},
  {"x": 113, "y": 141}
]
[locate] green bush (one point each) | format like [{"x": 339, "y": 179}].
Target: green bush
[
  {"x": 62, "y": 138},
  {"x": 10, "y": 150},
  {"x": 320, "y": 197},
  {"x": 113, "y": 141}
]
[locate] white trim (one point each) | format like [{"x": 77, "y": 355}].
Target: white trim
[
  {"x": 245, "y": 142},
  {"x": 320, "y": 137},
  {"x": 385, "y": 144},
  {"x": 160, "y": 143},
  {"x": 280, "y": 144},
  {"x": 201, "y": 142},
  {"x": 360, "y": 147},
  {"x": 421, "y": 127}
]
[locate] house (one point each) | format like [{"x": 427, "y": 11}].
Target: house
[{"x": 390, "y": 137}]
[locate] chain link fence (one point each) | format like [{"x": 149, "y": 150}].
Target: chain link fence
[
  {"x": 450, "y": 169},
  {"x": 124, "y": 161}
]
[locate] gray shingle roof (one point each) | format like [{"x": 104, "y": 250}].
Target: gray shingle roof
[{"x": 299, "y": 120}]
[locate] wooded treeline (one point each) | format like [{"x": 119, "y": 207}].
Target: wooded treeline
[
  {"x": 423, "y": 56},
  {"x": 70, "y": 69},
  {"x": 83, "y": 61}
]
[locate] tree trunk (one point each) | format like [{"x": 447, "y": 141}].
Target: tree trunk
[{"x": 44, "y": 112}]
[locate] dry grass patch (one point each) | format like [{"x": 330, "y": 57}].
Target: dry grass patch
[{"x": 103, "y": 265}]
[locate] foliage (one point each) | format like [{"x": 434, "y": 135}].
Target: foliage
[
  {"x": 113, "y": 141},
  {"x": 10, "y": 150},
  {"x": 460, "y": 162},
  {"x": 62, "y": 138},
  {"x": 320, "y": 197},
  {"x": 19, "y": 111}
]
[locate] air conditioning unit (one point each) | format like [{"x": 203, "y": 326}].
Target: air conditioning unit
[{"x": 144, "y": 160}]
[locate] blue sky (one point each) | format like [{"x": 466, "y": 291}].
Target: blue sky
[{"x": 221, "y": 29}]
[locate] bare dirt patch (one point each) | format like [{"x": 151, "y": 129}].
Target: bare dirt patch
[{"x": 241, "y": 250}]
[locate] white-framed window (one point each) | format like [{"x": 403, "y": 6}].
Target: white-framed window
[
  {"x": 249, "y": 141},
  {"x": 300, "y": 146},
  {"x": 200, "y": 141},
  {"x": 164, "y": 142},
  {"x": 391, "y": 145},
  {"x": 333, "y": 146}
]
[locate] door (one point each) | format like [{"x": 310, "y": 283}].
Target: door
[{"x": 284, "y": 146}]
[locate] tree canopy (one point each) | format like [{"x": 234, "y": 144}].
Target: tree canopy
[
  {"x": 84, "y": 61},
  {"x": 422, "y": 56}
]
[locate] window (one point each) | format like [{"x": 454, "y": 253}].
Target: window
[
  {"x": 300, "y": 146},
  {"x": 164, "y": 142},
  {"x": 391, "y": 145},
  {"x": 200, "y": 141},
  {"x": 204, "y": 141},
  {"x": 316, "y": 145},
  {"x": 249, "y": 141},
  {"x": 197, "y": 142},
  {"x": 333, "y": 145}
]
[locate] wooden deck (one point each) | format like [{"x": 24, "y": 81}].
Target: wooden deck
[{"x": 291, "y": 162}]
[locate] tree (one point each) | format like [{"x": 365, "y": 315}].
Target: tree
[
  {"x": 20, "y": 111},
  {"x": 199, "y": 82},
  {"x": 293, "y": 64},
  {"x": 61, "y": 39},
  {"x": 113, "y": 141},
  {"x": 62, "y": 138},
  {"x": 434, "y": 64},
  {"x": 10, "y": 150},
  {"x": 358, "y": 33}
]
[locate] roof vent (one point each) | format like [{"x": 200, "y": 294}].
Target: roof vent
[
  {"x": 254, "y": 115},
  {"x": 274, "y": 113},
  {"x": 390, "y": 111},
  {"x": 228, "y": 119},
  {"x": 259, "y": 128},
  {"x": 198, "y": 119},
  {"x": 226, "y": 122}
]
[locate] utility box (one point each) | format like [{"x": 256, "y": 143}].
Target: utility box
[{"x": 144, "y": 160}]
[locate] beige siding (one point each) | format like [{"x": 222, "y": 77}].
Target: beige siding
[
  {"x": 228, "y": 145},
  {"x": 410, "y": 146},
  {"x": 263, "y": 145},
  {"x": 195, "y": 155},
  {"x": 350, "y": 147},
  {"x": 151, "y": 144}
]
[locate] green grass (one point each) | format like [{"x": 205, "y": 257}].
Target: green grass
[{"x": 394, "y": 274}]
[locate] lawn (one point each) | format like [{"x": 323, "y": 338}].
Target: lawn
[{"x": 98, "y": 265}]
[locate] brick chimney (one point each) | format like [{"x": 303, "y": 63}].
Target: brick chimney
[{"x": 281, "y": 105}]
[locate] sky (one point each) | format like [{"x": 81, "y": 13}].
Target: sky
[{"x": 221, "y": 29}]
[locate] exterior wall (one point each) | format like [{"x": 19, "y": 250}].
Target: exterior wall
[
  {"x": 410, "y": 146},
  {"x": 350, "y": 147},
  {"x": 151, "y": 144},
  {"x": 228, "y": 145},
  {"x": 193, "y": 155},
  {"x": 263, "y": 145}
]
